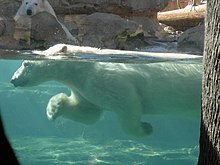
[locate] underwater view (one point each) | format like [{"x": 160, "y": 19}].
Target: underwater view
[
  {"x": 101, "y": 82},
  {"x": 87, "y": 113}
]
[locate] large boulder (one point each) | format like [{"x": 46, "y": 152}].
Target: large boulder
[
  {"x": 107, "y": 30},
  {"x": 44, "y": 31},
  {"x": 8, "y": 8},
  {"x": 44, "y": 27},
  {"x": 7, "y": 40},
  {"x": 2, "y": 26},
  {"x": 192, "y": 40}
]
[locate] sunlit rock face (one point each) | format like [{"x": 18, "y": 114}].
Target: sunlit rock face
[
  {"x": 192, "y": 40},
  {"x": 108, "y": 31},
  {"x": 120, "y": 7},
  {"x": 129, "y": 22},
  {"x": 8, "y": 8},
  {"x": 44, "y": 26},
  {"x": 42, "y": 30}
]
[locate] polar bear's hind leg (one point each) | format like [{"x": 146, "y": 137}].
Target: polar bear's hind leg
[
  {"x": 148, "y": 129},
  {"x": 133, "y": 126}
]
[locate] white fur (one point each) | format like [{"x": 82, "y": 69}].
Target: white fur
[
  {"x": 65, "y": 48},
  {"x": 129, "y": 90}
]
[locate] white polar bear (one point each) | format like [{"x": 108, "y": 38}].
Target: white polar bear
[
  {"x": 129, "y": 90},
  {"x": 30, "y": 8}
]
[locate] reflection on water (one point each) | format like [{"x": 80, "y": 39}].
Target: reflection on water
[{"x": 172, "y": 92}]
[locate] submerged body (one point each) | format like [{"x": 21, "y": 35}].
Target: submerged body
[{"x": 129, "y": 90}]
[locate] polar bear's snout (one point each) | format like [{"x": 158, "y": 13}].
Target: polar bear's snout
[
  {"x": 13, "y": 81},
  {"x": 18, "y": 78},
  {"x": 18, "y": 82},
  {"x": 29, "y": 12}
]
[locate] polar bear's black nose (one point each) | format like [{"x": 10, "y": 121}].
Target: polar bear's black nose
[{"x": 29, "y": 12}]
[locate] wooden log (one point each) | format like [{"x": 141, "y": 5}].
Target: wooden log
[{"x": 183, "y": 19}]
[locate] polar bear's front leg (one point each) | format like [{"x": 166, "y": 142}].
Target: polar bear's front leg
[
  {"x": 74, "y": 108},
  {"x": 56, "y": 106}
]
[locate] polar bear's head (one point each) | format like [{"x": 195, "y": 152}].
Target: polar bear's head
[
  {"x": 33, "y": 7},
  {"x": 32, "y": 73}
]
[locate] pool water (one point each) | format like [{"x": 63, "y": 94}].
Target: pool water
[{"x": 38, "y": 141}]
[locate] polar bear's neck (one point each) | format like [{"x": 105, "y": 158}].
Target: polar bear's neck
[{"x": 70, "y": 72}]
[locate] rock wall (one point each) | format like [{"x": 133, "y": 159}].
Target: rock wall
[
  {"x": 192, "y": 40},
  {"x": 119, "y": 7},
  {"x": 118, "y": 24}
]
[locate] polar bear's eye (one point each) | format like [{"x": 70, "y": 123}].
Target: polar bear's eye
[
  {"x": 36, "y": 4},
  {"x": 26, "y": 3}
]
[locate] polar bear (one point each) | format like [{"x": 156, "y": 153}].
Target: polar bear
[
  {"x": 128, "y": 90},
  {"x": 30, "y": 8}
]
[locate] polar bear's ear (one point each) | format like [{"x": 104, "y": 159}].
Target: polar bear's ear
[{"x": 64, "y": 49}]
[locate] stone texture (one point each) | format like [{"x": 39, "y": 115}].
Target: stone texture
[
  {"x": 192, "y": 40},
  {"x": 44, "y": 31},
  {"x": 106, "y": 30},
  {"x": 120, "y": 24},
  {"x": 120, "y": 7},
  {"x": 8, "y": 8},
  {"x": 2, "y": 27},
  {"x": 45, "y": 27},
  {"x": 7, "y": 40}
]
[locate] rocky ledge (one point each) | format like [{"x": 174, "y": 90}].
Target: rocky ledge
[{"x": 116, "y": 24}]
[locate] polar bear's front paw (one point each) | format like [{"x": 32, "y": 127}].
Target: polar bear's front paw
[{"x": 55, "y": 106}]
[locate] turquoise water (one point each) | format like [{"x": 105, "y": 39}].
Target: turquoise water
[{"x": 174, "y": 140}]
